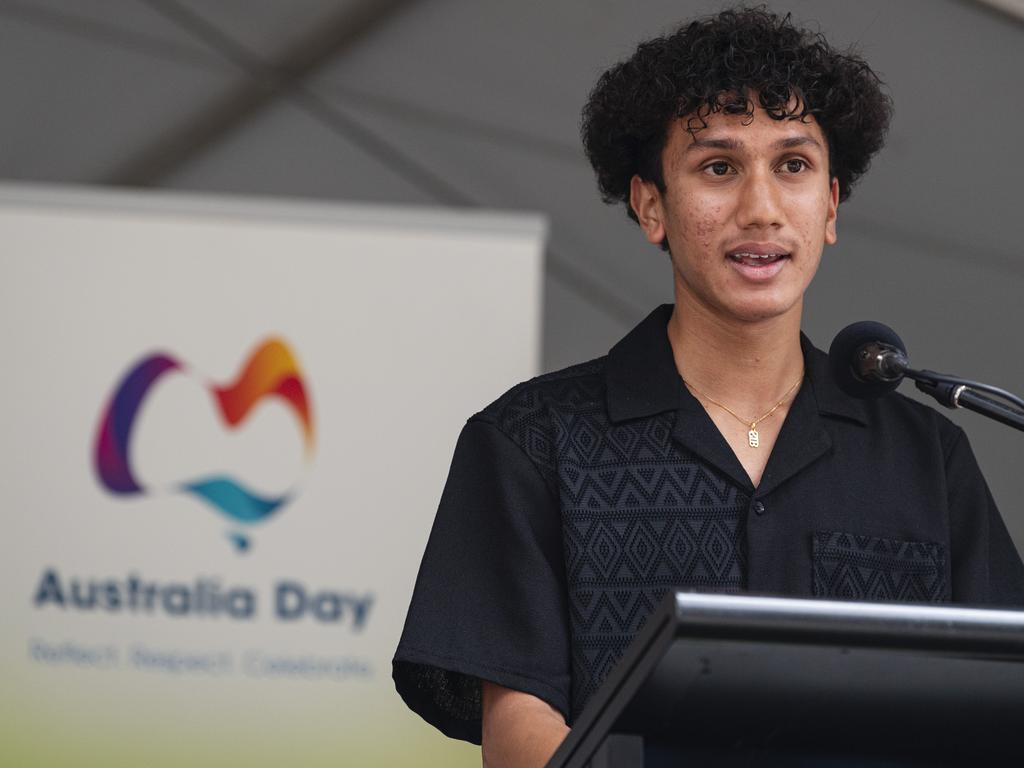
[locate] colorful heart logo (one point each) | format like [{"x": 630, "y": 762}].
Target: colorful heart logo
[{"x": 270, "y": 371}]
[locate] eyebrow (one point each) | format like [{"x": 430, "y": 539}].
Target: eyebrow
[
  {"x": 713, "y": 144},
  {"x": 798, "y": 141},
  {"x": 733, "y": 144}
]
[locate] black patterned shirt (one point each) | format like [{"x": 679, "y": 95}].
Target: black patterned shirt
[{"x": 578, "y": 499}]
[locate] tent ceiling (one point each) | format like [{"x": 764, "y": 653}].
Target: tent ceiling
[{"x": 468, "y": 103}]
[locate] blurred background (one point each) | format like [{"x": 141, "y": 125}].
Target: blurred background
[{"x": 474, "y": 104}]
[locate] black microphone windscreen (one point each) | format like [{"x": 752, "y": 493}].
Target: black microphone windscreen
[{"x": 842, "y": 356}]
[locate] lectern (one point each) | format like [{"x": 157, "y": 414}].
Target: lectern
[{"x": 728, "y": 680}]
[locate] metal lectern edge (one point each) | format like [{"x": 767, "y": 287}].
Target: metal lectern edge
[{"x": 935, "y": 627}]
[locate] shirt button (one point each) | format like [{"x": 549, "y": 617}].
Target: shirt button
[{"x": 758, "y": 508}]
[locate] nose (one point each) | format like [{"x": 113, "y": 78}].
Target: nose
[{"x": 759, "y": 206}]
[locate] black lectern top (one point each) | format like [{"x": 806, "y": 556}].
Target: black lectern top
[{"x": 736, "y": 679}]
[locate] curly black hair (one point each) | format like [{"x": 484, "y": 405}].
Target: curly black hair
[{"x": 718, "y": 64}]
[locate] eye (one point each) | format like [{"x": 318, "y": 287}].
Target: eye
[
  {"x": 718, "y": 168},
  {"x": 795, "y": 165}
]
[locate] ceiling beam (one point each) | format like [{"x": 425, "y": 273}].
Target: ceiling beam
[
  {"x": 264, "y": 81},
  {"x": 1012, "y": 9}
]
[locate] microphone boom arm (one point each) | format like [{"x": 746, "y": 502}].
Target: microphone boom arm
[{"x": 955, "y": 392}]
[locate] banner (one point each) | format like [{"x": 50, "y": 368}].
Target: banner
[{"x": 226, "y": 426}]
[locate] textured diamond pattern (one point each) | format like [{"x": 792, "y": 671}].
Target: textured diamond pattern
[
  {"x": 640, "y": 515},
  {"x": 853, "y": 567}
]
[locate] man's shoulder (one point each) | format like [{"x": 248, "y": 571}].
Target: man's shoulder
[
  {"x": 577, "y": 387},
  {"x": 918, "y": 420},
  {"x": 525, "y": 413}
]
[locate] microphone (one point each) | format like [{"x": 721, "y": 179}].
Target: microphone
[{"x": 867, "y": 359}]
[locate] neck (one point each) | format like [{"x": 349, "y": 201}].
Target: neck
[{"x": 748, "y": 365}]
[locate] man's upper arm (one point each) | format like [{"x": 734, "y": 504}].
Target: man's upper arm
[{"x": 985, "y": 565}]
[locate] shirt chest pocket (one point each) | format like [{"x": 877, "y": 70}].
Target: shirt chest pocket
[{"x": 848, "y": 566}]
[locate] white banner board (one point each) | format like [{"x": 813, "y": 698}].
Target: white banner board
[{"x": 225, "y": 429}]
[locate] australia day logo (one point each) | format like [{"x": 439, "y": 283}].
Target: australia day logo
[{"x": 271, "y": 371}]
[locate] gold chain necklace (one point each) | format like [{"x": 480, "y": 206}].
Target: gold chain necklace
[{"x": 752, "y": 435}]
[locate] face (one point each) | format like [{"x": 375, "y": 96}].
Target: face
[{"x": 747, "y": 210}]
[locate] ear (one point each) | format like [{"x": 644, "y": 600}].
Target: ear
[
  {"x": 833, "y": 212},
  {"x": 645, "y": 200}
]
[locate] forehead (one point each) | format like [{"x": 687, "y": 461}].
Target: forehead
[{"x": 758, "y": 131}]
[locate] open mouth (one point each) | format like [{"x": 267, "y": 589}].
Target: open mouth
[{"x": 758, "y": 262}]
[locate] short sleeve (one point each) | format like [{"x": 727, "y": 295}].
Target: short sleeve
[
  {"x": 490, "y": 598},
  {"x": 986, "y": 568}
]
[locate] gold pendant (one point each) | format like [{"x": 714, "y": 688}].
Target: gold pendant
[{"x": 755, "y": 439}]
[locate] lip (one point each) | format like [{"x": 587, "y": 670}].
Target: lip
[
  {"x": 759, "y": 248},
  {"x": 759, "y": 274}
]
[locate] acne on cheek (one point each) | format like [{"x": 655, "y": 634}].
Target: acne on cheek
[{"x": 706, "y": 226}]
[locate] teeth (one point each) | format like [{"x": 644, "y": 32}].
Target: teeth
[{"x": 739, "y": 257}]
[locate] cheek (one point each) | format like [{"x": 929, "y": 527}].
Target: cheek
[
  {"x": 700, "y": 222},
  {"x": 811, "y": 226},
  {"x": 710, "y": 232},
  {"x": 707, "y": 226}
]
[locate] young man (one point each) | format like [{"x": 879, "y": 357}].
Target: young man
[{"x": 709, "y": 449}]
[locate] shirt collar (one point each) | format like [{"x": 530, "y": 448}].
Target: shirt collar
[
  {"x": 642, "y": 378},
  {"x": 641, "y": 375},
  {"x": 830, "y": 399}
]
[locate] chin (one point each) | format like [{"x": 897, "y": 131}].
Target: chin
[{"x": 762, "y": 311}]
